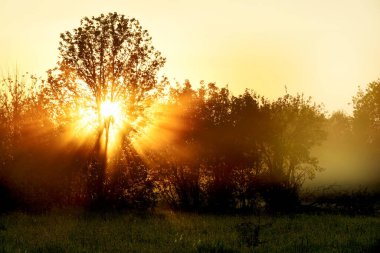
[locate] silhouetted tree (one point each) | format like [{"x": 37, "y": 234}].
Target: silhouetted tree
[
  {"x": 25, "y": 139},
  {"x": 295, "y": 126},
  {"x": 249, "y": 116},
  {"x": 230, "y": 150},
  {"x": 176, "y": 162},
  {"x": 107, "y": 58},
  {"x": 219, "y": 153}
]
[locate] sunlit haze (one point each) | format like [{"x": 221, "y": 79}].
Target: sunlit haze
[
  {"x": 324, "y": 49},
  {"x": 111, "y": 110}
]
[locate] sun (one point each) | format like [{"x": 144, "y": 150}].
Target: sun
[
  {"x": 109, "y": 120},
  {"x": 110, "y": 111}
]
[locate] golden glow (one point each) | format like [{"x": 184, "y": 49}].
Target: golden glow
[
  {"x": 114, "y": 122},
  {"x": 87, "y": 123},
  {"x": 320, "y": 48},
  {"x": 110, "y": 111},
  {"x": 164, "y": 125}
]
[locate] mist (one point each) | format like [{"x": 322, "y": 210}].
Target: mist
[{"x": 348, "y": 160}]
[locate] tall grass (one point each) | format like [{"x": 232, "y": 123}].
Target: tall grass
[{"x": 178, "y": 232}]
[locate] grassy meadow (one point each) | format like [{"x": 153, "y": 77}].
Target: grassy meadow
[{"x": 182, "y": 232}]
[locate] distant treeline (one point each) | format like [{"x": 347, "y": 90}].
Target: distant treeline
[
  {"x": 195, "y": 149},
  {"x": 198, "y": 149}
]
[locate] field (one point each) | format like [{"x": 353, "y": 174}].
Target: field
[{"x": 182, "y": 232}]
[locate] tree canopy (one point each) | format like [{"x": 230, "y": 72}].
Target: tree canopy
[
  {"x": 367, "y": 113},
  {"x": 107, "y": 58},
  {"x": 107, "y": 68}
]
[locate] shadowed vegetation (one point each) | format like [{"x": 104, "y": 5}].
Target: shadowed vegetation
[{"x": 103, "y": 133}]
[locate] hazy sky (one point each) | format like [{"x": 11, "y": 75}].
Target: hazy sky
[{"x": 324, "y": 49}]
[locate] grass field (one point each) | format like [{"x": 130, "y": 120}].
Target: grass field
[{"x": 179, "y": 232}]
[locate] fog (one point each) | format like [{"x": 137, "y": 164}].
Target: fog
[{"x": 346, "y": 164}]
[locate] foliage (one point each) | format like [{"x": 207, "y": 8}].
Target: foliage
[
  {"x": 201, "y": 149},
  {"x": 129, "y": 185},
  {"x": 107, "y": 58},
  {"x": 231, "y": 150},
  {"x": 296, "y": 125},
  {"x": 367, "y": 113},
  {"x": 340, "y": 128},
  {"x": 226, "y": 153},
  {"x": 36, "y": 172},
  {"x": 366, "y": 125},
  {"x": 22, "y": 116}
]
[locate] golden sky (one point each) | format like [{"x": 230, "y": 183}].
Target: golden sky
[{"x": 324, "y": 49}]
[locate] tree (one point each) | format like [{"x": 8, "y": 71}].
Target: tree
[
  {"x": 366, "y": 125},
  {"x": 250, "y": 117},
  {"x": 25, "y": 140},
  {"x": 367, "y": 113},
  {"x": 339, "y": 128},
  {"x": 296, "y": 125},
  {"x": 228, "y": 150},
  {"x": 107, "y": 59},
  {"x": 174, "y": 157}
]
